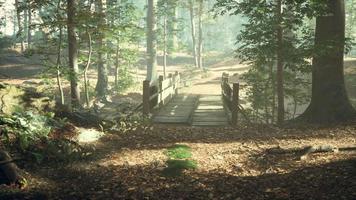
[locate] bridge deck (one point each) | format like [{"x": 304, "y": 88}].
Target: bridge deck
[{"x": 194, "y": 110}]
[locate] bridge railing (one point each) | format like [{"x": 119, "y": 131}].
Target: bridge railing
[
  {"x": 160, "y": 92},
  {"x": 230, "y": 96}
]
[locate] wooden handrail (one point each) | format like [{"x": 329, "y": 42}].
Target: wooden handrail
[
  {"x": 230, "y": 96},
  {"x": 159, "y": 94}
]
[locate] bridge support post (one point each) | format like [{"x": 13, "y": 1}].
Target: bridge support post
[
  {"x": 146, "y": 98},
  {"x": 235, "y": 103},
  {"x": 160, "y": 90}
]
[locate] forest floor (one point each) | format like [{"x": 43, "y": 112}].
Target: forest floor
[{"x": 232, "y": 163}]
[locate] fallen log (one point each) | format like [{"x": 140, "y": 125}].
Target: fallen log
[
  {"x": 10, "y": 170},
  {"x": 306, "y": 151}
]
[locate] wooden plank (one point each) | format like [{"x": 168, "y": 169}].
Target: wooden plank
[
  {"x": 210, "y": 119},
  {"x": 209, "y": 124},
  {"x": 200, "y": 107}
]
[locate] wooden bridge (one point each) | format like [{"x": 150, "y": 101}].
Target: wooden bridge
[{"x": 165, "y": 105}]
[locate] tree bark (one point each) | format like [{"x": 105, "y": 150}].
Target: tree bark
[
  {"x": 73, "y": 54},
  {"x": 329, "y": 102},
  {"x": 192, "y": 23},
  {"x": 102, "y": 83},
  {"x": 19, "y": 24},
  {"x": 200, "y": 38},
  {"x": 280, "y": 65},
  {"x": 151, "y": 42},
  {"x": 164, "y": 45},
  {"x": 59, "y": 55},
  {"x": 86, "y": 81},
  {"x": 29, "y": 28}
]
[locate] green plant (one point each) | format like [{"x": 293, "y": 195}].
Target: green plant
[
  {"x": 179, "y": 152},
  {"x": 179, "y": 159}
]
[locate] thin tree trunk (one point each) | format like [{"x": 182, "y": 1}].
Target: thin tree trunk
[
  {"x": 29, "y": 28},
  {"x": 73, "y": 54},
  {"x": 25, "y": 26},
  {"x": 59, "y": 55},
  {"x": 273, "y": 84},
  {"x": 19, "y": 24},
  {"x": 164, "y": 45},
  {"x": 86, "y": 81},
  {"x": 151, "y": 42},
  {"x": 192, "y": 23},
  {"x": 280, "y": 65},
  {"x": 200, "y": 39},
  {"x": 329, "y": 102},
  {"x": 117, "y": 64},
  {"x": 102, "y": 83}
]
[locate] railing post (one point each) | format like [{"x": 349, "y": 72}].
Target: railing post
[
  {"x": 224, "y": 82},
  {"x": 160, "y": 90},
  {"x": 235, "y": 103},
  {"x": 176, "y": 82},
  {"x": 146, "y": 97}
]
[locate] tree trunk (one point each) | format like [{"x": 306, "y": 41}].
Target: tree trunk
[
  {"x": 59, "y": 55},
  {"x": 164, "y": 46},
  {"x": 73, "y": 54},
  {"x": 29, "y": 28},
  {"x": 117, "y": 64},
  {"x": 200, "y": 39},
  {"x": 19, "y": 24},
  {"x": 151, "y": 42},
  {"x": 280, "y": 65},
  {"x": 192, "y": 23},
  {"x": 174, "y": 28},
  {"x": 102, "y": 83},
  {"x": 86, "y": 81},
  {"x": 329, "y": 102}
]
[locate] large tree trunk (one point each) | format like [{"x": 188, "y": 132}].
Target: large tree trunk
[
  {"x": 102, "y": 83},
  {"x": 151, "y": 41},
  {"x": 73, "y": 54},
  {"x": 19, "y": 24},
  {"x": 280, "y": 65},
  {"x": 200, "y": 38},
  {"x": 192, "y": 24},
  {"x": 329, "y": 102}
]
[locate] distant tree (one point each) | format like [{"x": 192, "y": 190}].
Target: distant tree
[
  {"x": 18, "y": 7},
  {"x": 151, "y": 41},
  {"x": 193, "y": 32},
  {"x": 200, "y": 35}
]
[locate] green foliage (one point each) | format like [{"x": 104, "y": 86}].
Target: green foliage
[
  {"x": 27, "y": 127},
  {"x": 258, "y": 45},
  {"x": 30, "y": 133},
  {"x": 6, "y": 42},
  {"x": 179, "y": 159},
  {"x": 179, "y": 152}
]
